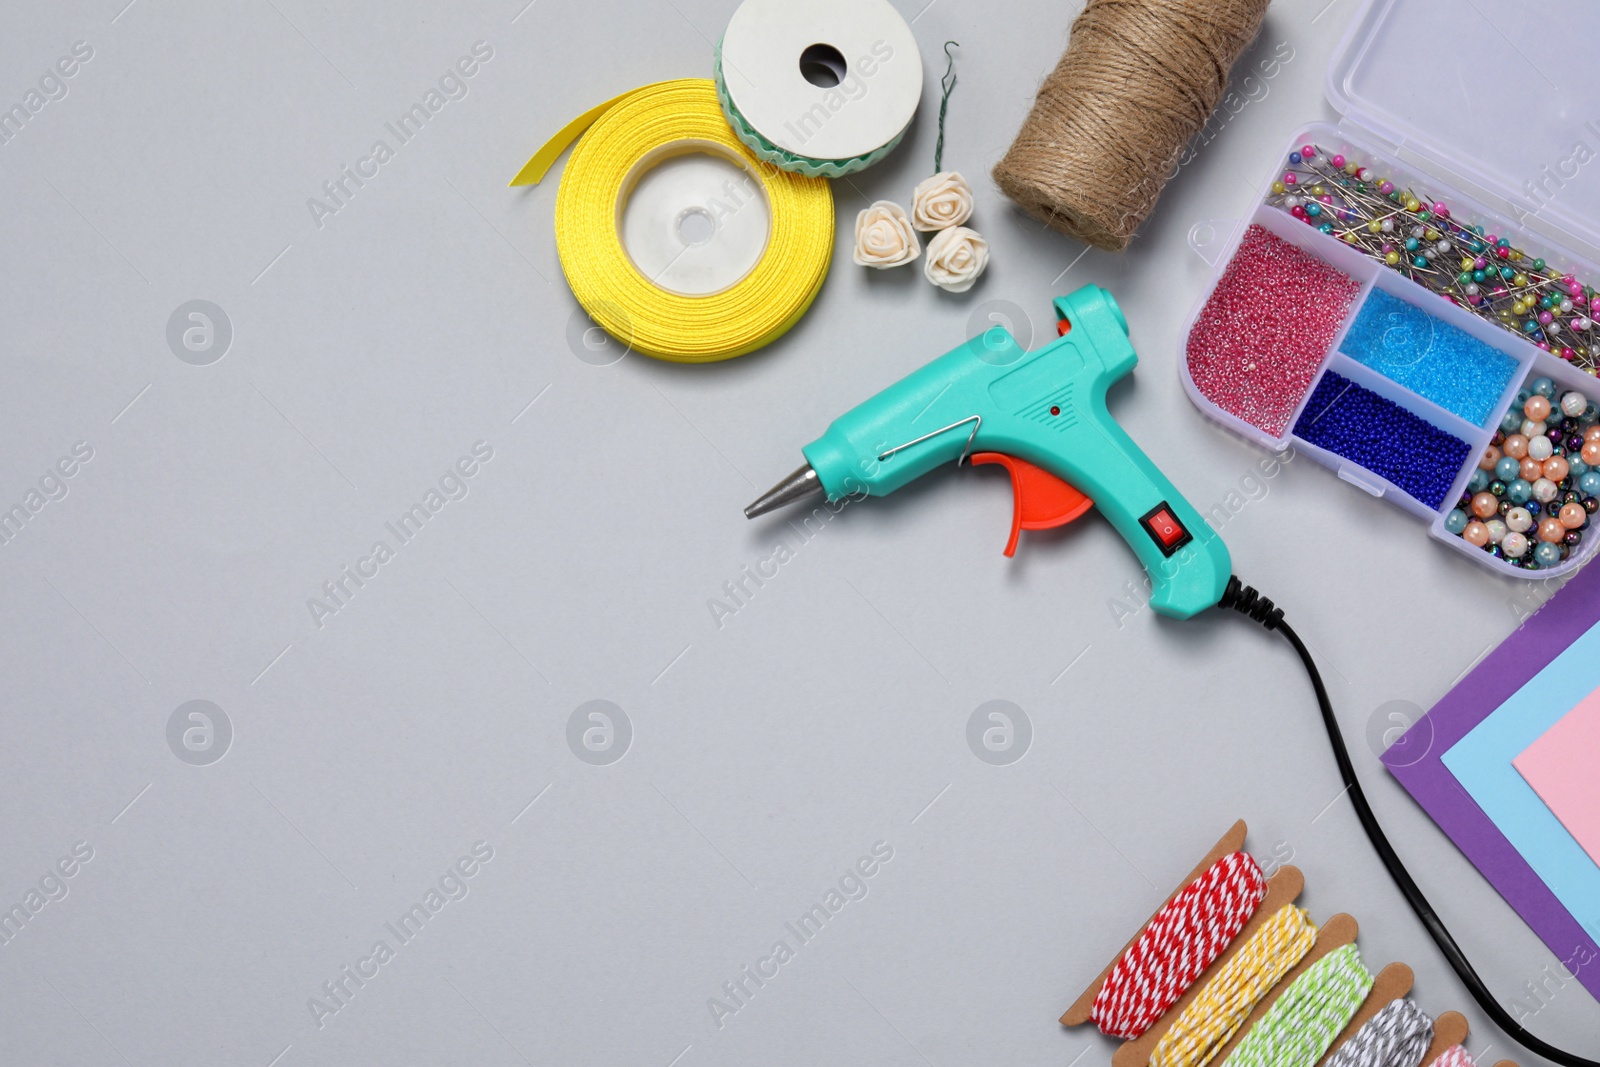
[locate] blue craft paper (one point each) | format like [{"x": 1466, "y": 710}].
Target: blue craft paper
[{"x": 1481, "y": 762}]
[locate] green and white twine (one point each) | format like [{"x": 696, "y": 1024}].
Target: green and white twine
[
  {"x": 1302, "y": 1023},
  {"x": 783, "y": 158}
]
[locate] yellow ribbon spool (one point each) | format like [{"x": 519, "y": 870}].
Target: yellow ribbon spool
[{"x": 625, "y": 137}]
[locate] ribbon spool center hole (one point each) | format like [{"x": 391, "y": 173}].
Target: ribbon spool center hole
[
  {"x": 693, "y": 219},
  {"x": 695, "y": 225},
  {"x": 823, "y": 65}
]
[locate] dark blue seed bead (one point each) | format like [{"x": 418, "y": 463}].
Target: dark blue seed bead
[{"x": 1362, "y": 426}]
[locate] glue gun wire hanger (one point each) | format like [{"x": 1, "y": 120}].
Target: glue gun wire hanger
[{"x": 976, "y": 420}]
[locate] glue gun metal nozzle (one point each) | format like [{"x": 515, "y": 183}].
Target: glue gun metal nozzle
[{"x": 799, "y": 485}]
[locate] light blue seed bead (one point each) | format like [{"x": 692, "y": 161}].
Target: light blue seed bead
[
  {"x": 1544, "y": 387},
  {"x": 1508, "y": 469},
  {"x": 1589, "y": 484},
  {"x": 1512, "y": 423},
  {"x": 1478, "y": 481},
  {"x": 1456, "y": 521},
  {"x": 1519, "y": 491},
  {"x": 1547, "y": 554},
  {"x": 1577, "y": 467}
]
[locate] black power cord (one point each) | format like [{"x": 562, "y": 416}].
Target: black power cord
[{"x": 1245, "y": 600}]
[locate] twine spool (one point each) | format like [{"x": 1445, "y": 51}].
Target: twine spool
[{"x": 1139, "y": 79}]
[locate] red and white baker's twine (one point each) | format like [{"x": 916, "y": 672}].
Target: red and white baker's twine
[
  {"x": 1185, "y": 937},
  {"x": 1454, "y": 1056}
]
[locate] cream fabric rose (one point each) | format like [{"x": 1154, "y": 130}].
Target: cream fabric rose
[
  {"x": 941, "y": 201},
  {"x": 956, "y": 257},
  {"x": 884, "y": 237}
]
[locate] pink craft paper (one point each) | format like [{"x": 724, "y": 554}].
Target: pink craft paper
[{"x": 1561, "y": 768}]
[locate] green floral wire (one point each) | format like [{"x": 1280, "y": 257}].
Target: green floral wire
[
  {"x": 948, "y": 85},
  {"x": 1302, "y": 1023}
]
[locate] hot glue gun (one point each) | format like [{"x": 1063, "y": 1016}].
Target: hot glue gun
[{"x": 1042, "y": 416}]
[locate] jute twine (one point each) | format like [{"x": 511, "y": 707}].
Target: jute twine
[{"x": 1138, "y": 80}]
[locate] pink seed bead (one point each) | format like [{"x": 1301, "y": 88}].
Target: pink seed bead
[
  {"x": 1594, "y": 303},
  {"x": 1545, "y": 318},
  {"x": 1503, "y": 253},
  {"x": 1491, "y": 238},
  {"x": 1480, "y": 263},
  {"x": 1273, "y": 298},
  {"x": 1568, "y": 354},
  {"x": 1308, "y": 151},
  {"x": 1441, "y": 210},
  {"x": 1326, "y": 198},
  {"x": 1289, "y": 178},
  {"x": 1386, "y": 188},
  {"x": 1337, "y": 161}
]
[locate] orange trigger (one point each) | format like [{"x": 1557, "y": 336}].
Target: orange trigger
[{"x": 1039, "y": 500}]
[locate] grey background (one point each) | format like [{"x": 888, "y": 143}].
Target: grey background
[{"x": 767, "y": 755}]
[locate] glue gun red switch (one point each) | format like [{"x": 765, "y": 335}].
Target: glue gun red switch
[{"x": 1041, "y": 415}]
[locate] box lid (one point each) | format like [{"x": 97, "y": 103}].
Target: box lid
[{"x": 1501, "y": 93}]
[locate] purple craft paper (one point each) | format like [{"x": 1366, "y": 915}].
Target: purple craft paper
[{"x": 1415, "y": 761}]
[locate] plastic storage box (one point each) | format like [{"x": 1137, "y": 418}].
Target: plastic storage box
[{"x": 1423, "y": 91}]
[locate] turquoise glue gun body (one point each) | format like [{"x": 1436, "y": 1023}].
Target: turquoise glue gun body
[{"x": 1042, "y": 415}]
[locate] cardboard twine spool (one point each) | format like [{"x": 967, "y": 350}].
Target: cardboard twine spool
[{"x": 1138, "y": 80}]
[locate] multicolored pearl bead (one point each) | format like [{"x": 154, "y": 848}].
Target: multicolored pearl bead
[{"x": 1530, "y": 498}]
